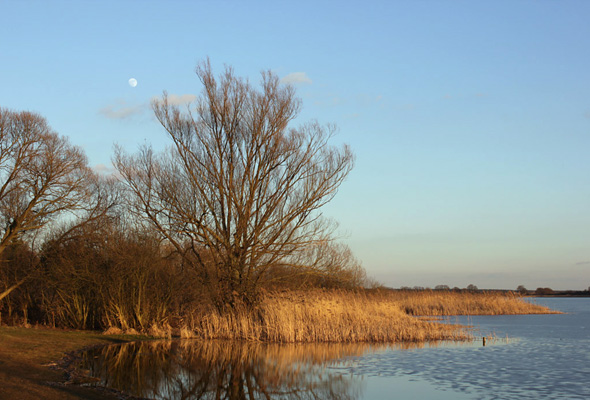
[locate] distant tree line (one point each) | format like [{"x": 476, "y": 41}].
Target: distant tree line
[
  {"x": 541, "y": 291},
  {"x": 545, "y": 291},
  {"x": 469, "y": 288},
  {"x": 231, "y": 210}
]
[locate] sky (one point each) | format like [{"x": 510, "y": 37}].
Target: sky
[{"x": 470, "y": 120}]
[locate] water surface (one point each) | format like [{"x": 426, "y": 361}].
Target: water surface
[
  {"x": 544, "y": 357},
  {"x": 532, "y": 357}
]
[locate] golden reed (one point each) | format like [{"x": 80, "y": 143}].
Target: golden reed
[
  {"x": 443, "y": 303},
  {"x": 323, "y": 316},
  {"x": 343, "y": 316}
]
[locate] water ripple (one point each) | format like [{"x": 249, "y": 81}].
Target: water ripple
[{"x": 550, "y": 360}]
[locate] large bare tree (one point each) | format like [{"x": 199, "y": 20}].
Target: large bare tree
[
  {"x": 42, "y": 176},
  {"x": 240, "y": 190}
]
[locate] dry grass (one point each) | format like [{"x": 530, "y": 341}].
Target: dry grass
[
  {"x": 444, "y": 303},
  {"x": 26, "y": 355},
  {"x": 323, "y": 316},
  {"x": 379, "y": 316}
]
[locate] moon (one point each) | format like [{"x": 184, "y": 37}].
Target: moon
[{"x": 132, "y": 82}]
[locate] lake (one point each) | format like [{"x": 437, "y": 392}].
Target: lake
[{"x": 525, "y": 357}]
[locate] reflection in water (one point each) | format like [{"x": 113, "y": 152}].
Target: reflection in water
[
  {"x": 226, "y": 370},
  {"x": 546, "y": 357},
  {"x": 187, "y": 369}
]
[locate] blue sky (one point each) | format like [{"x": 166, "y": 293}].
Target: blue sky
[{"x": 470, "y": 120}]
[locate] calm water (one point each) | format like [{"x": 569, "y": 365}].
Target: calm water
[
  {"x": 533, "y": 357},
  {"x": 545, "y": 357}
]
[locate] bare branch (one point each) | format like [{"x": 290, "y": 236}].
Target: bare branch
[
  {"x": 42, "y": 175},
  {"x": 239, "y": 184}
]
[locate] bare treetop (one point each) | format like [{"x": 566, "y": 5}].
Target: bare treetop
[
  {"x": 42, "y": 176},
  {"x": 241, "y": 187}
]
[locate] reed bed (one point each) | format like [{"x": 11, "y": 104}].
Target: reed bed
[
  {"x": 445, "y": 303},
  {"x": 323, "y": 316},
  {"x": 345, "y": 316}
]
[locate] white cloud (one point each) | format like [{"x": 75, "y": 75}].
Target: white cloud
[
  {"x": 177, "y": 100},
  {"x": 296, "y": 77},
  {"x": 121, "y": 110},
  {"x": 104, "y": 170}
]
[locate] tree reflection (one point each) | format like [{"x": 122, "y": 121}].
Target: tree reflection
[{"x": 226, "y": 370}]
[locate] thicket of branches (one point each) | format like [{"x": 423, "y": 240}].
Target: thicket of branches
[
  {"x": 239, "y": 193},
  {"x": 232, "y": 209}
]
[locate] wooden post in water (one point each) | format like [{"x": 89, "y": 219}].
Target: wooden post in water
[{"x": 484, "y": 341}]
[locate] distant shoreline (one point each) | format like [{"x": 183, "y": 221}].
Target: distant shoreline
[
  {"x": 557, "y": 294},
  {"x": 540, "y": 292}
]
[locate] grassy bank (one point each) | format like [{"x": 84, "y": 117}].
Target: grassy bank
[{"x": 27, "y": 361}]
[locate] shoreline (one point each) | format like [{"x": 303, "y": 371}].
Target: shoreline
[
  {"x": 559, "y": 296},
  {"x": 40, "y": 362},
  {"x": 34, "y": 362}
]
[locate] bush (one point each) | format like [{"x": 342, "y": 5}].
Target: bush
[{"x": 544, "y": 291}]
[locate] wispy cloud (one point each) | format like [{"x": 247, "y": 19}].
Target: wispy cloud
[
  {"x": 368, "y": 99},
  {"x": 587, "y": 114},
  {"x": 104, "y": 170},
  {"x": 583, "y": 263},
  {"x": 177, "y": 100},
  {"x": 330, "y": 101},
  {"x": 121, "y": 110},
  {"x": 296, "y": 77}
]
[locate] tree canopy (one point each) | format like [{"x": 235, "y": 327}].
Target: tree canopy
[
  {"x": 42, "y": 176},
  {"x": 240, "y": 191}
]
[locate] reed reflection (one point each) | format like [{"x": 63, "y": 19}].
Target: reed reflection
[{"x": 226, "y": 370}]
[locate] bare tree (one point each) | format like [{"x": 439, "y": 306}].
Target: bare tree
[
  {"x": 324, "y": 264},
  {"x": 472, "y": 288},
  {"x": 42, "y": 176},
  {"x": 240, "y": 190}
]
